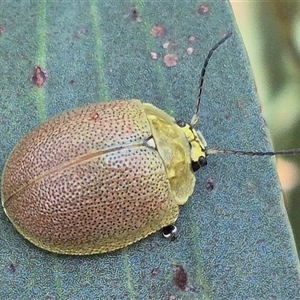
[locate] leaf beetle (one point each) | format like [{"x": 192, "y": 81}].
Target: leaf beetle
[{"x": 101, "y": 177}]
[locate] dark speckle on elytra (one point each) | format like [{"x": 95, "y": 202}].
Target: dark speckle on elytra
[
  {"x": 11, "y": 268},
  {"x": 180, "y": 278},
  {"x": 49, "y": 298},
  {"x": 203, "y": 9},
  {"x": 210, "y": 184},
  {"x": 72, "y": 81},
  {"x": 94, "y": 116}
]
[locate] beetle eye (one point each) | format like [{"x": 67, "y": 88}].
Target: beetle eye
[
  {"x": 202, "y": 161},
  {"x": 169, "y": 232},
  {"x": 181, "y": 123},
  {"x": 196, "y": 165}
]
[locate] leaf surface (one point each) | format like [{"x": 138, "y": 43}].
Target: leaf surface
[{"x": 234, "y": 239}]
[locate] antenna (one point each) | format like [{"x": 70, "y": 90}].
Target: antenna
[
  {"x": 196, "y": 117},
  {"x": 252, "y": 153},
  {"x": 210, "y": 53}
]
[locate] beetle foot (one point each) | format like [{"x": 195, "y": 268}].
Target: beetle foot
[{"x": 169, "y": 232}]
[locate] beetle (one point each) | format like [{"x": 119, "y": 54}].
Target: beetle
[{"x": 101, "y": 177}]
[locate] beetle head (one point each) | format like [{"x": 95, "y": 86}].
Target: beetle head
[{"x": 197, "y": 145}]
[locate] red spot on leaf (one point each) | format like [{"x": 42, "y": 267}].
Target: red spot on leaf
[
  {"x": 39, "y": 76},
  {"x": 203, "y": 9},
  {"x": 170, "y": 60},
  {"x": 180, "y": 278},
  {"x": 158, "y": 31}
]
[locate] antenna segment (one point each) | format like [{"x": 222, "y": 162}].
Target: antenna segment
[
  {"x": 210, "y": 53},
  {"x": 252, "y": 153}
]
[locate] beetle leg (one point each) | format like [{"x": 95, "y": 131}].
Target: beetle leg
[{"x": 169, "y": 232}]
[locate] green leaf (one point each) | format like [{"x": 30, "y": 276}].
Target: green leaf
[{"x": 234, "y": 239}]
